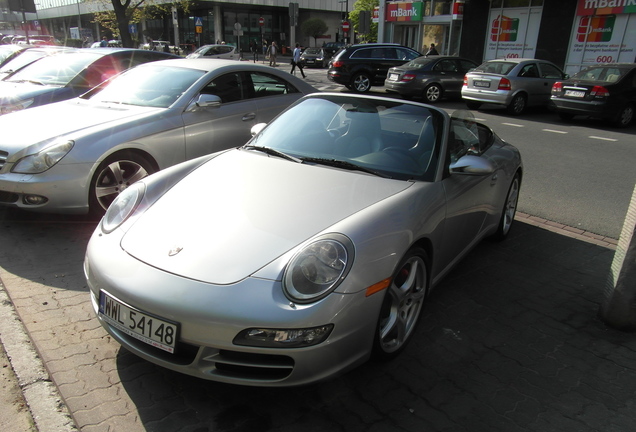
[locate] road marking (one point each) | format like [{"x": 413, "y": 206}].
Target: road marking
[
  {"x": 513, "y": 124},
  {"x": 554, "y": 131},
  {"x": 602, "y": 138}
]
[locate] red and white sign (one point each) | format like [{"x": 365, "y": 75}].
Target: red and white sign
[
  {"x": 261, "y": 21},
  {"x": 345, "y": 26}
]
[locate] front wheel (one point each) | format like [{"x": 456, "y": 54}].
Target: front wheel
[
  {"x": 402, "y": 305},
  {"x": 361, "y": 83},
  {"x": 113, "y": 176},
  {"x": 509, "y": 210}
]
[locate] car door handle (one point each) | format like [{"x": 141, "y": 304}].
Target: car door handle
[{"x": 250, "y": 116}]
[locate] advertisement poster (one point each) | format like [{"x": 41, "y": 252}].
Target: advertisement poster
[
  {"x": 513, "y": 33},
  {"x": 602, "y": 39}
]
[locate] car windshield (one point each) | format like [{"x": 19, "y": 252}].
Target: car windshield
[
  {"x": 607, "y": 74},
  {"x": 26, "y": 57},
  {"x": 312, "y": 51},
  {"x": 496, "y": 67},
  {"x": 150, "y": 86},
  {"x": 390, "y": 138},
  {"x": 419, "y": 62},
  {"x": 56, "y": 70},
  {"x": 7, "y": 50}
]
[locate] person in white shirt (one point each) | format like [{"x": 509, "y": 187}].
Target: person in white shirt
[{"x": 296, "y": 61}]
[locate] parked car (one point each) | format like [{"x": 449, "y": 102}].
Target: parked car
[
  {"x": 287, "y": 261},
  {"x": 8, "y": 52},
  {"x": 27, "y": 56},
  {"x": 331, "y": 48},
  {"x": 78, "y": 155},
  {"x": 606, "y": 91},
  {"x": 314, "y": 57},
  {"x": 359, "y": 67},
  {"x": 430, "y": 78},
  {"x": 216, "y": 51},
  {"x": 514, "y": 83},
  {"x": 66, "y": 75}
]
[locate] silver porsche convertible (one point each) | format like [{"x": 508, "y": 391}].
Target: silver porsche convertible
[{"x": 306, "y": 251}]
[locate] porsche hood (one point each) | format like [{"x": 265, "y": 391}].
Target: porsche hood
[{"x": 242, "y": 210}]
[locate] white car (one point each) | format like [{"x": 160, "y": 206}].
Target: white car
[{"x": 227, "y": 52}]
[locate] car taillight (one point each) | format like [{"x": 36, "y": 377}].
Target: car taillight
[
  {"x": 465, "y": 80},
  {"x": 408, "y": 77},
  {"x": 504, "y": 84},
  {"x": 599, "y": 92},
  {"x": 337, "y": 63},
  {"x": 557, "y": 87}
]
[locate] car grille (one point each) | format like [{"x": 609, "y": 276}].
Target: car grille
[
  {"x": 3, "y": 158},
  {"x": 249, "y": 366}
]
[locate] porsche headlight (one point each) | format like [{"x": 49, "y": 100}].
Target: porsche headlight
[
  {"x": 318, "y": 268},
  {"x": 16, "y": 106},
  {"x": 45, "y": 159},
  {"x": 122, "y": 207}
]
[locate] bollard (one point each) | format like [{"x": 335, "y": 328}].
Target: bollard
[{"x": 619, "y": 306}]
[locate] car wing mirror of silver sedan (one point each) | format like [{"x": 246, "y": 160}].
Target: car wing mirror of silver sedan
[
  {"x": 257, "y": 128},
  {"x": 472, "y": 165},
  {"x": 205, "y": 101}
]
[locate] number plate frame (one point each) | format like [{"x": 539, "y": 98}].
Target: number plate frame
[
  {"x": 481, "y": 84},
  {"x": 150, "y": 329},
  {"x": 575, "y": 93}
]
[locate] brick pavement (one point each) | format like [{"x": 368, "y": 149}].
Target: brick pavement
[{"x": 510, "y": 341}]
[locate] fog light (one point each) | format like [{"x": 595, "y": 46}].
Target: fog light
[
  {"x": 283, "y": 338},
  {"x": 34, "y": 200}
]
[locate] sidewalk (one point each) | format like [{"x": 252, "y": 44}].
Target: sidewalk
[{"x": 510, "y": 341}]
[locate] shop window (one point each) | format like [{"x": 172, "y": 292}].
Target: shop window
[{"x": 442, "y": 7}]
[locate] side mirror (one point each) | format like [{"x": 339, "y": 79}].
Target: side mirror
[
  {"x": 257, "y": 128},
  {"x": 204, "y": 101},
  {"x": 472, "y": 165}
]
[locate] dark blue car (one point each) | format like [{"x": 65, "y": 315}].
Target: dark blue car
[{"x": 68, "y": 75}]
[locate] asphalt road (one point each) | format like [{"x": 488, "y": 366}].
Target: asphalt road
[{"x": 580, "y": 173}]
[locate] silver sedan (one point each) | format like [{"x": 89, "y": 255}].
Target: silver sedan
[
  {"x": 301, "y": 254},
  {"x": 77, "y": 155},
  {"x": 514, "y": 83}
]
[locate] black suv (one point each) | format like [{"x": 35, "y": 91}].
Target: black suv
[{"x": 360, "y": 66}]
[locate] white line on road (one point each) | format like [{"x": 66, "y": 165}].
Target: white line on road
[
  {"x": 602, "y": 138},
  {"x": 554, "y": 131},
  {"x": 513, "y": 124}
]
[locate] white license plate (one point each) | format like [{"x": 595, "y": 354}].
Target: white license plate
[
  {"x": 575, "y": 93},
  {"x": 393, "y": 77},
  {"x": 482, "y": 84},
  {"x": 309, "y": 61},
  {"x": 150, "y": 329}
]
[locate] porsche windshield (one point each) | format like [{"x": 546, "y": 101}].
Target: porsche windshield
[
  {"x": 151, "y": 86},
  {"x": 392, "y": 138}
]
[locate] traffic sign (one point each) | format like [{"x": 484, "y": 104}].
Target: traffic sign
[
  {"x": 345, "y": 26},
  {"x": 261, "y": 21},
  {"x": 198, "y": 22}
]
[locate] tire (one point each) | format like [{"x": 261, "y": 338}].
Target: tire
[
  {"x": 472, "y": 105},
  {"x": 518, "y": 104},
  {"x": 625, "y": 117},
  {"x": 361, "y": 83},
  {"x": 113, "y": 176},
  {"x": 566, "y": 116},
  {"x": 402, "y": 305},
  {"x": 432, "y": 93},
  {"x": 509, "y": 210}
]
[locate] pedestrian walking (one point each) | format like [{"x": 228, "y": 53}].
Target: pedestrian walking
[
  {"x": 432, "y": 50},
  {"x": 296, "y": 61},
  {"x": 272, "y": 54}
]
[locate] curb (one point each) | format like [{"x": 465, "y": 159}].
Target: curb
[{"x": 48, "y": 410}]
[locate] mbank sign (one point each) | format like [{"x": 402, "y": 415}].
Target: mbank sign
[{"x": 402, "y": 11}]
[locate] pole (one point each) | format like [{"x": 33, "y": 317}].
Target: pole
[{"x": 381, "y": 16}]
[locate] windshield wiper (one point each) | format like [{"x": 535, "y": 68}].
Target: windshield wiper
[
  {"x": 344, "y": 165},
  {"x": 273, "y": 152},
  {"x": 30, "y": 82}
]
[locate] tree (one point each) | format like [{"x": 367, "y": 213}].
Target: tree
[
  {"x": 314, "y": 27},
  {"x": 126, "y": 12},
  {"x": 354, "y": 17}
]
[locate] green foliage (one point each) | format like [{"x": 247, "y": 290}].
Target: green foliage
[
  {"x": 354, "y": 18},
  {"x": 314, "y": 27}
]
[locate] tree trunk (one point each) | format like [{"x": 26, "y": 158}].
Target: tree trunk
[{"x": 120, "y": 10}]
